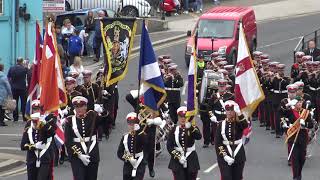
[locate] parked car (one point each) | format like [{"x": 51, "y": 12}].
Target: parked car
[
  {"x": 132, "y": 8},
  {"x": 78, "y": 17},
  {"x": 218, "y": 31}
]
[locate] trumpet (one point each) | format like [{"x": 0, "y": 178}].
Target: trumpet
[
  {"x": 143, "y": 115},
  {"x": 127, "y": 156}
]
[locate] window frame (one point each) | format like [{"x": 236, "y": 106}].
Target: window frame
[{"x": 1, "y": 9}]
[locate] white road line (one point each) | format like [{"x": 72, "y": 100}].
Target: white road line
[
  {"x": 10, "y": 173},
  {"x": 10, "y": 148},
  {"x": 16, "y": 135},
  {"x": 279, "y": 42},
  {"x": 7, "y": 162},
  {"x": 184, "y": 87},
  {"x": 19, "y": 173},
  {"x": 211, "y": 168}
]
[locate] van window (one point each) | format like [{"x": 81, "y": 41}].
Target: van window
[{"x": 216, "y": 28}]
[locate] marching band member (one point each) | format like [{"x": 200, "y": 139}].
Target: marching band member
[
  {"x": 229, "y": 148},
  {"x": 173, "y": 82},
  {"x": 37, "y": 140},
  {"x": 297, "y": 126},
  {"x": 81, "y": 140},
  {"x": 131, "y": 150},
  {"x": 184, "y": 161}
]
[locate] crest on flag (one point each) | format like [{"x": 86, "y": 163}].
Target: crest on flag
[{"x": 117, "y": 35}]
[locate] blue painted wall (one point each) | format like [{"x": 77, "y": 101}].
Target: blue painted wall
[{"x": 18, "y": 44}]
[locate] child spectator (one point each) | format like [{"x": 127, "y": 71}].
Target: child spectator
[{"x": 74, "y": 46}]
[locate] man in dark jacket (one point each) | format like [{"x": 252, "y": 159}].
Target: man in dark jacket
[
  {"x": 17, "y": 77},
  {"x": 97, "y": 37},
  {"x": 312, "y": 50}
]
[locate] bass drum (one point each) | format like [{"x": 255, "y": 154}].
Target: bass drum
[{"x": 209, "y": 81}]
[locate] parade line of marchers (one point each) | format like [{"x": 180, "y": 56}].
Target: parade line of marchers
[{"x": 68, "y": 119}]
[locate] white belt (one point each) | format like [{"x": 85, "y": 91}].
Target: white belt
[
  {"x": 189, "y": 150},
  {"x": 232, "y": 143},
  {"x": 172, "y": 89},
  {"x": 219, "y": 112},
  {"x": 314, "y": 89},
  {"x": 85, "y": 139},
  {"x": 139, "y": 157},
  {"x": 280, "y": 92}
]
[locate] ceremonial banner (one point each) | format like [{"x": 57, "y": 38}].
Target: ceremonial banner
[
  {"x": 118, "y": 35},
  {"x": 152, "y": 88},
  {"x": 34, "y": 90},
  {"x": 248, "y": 92},
  {"x": 192, "y": 84},
  {"x": 53, "y": 93}
]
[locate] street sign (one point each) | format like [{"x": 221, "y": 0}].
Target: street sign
[{"x": 53, "y": 5}]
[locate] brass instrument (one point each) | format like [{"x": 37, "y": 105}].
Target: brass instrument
[
  {"x": 144, "y": 114},
  {"x": 127, "y": 156},
  {"x": 163, "y": 130},
  {"x": 295, "y": 128}
]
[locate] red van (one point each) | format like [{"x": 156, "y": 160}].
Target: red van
[{"x": 218, "y": 30}]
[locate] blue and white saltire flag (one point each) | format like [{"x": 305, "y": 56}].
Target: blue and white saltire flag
[
  {"x": 192, "y": 84},
  {"x": 149, "y": 73}
]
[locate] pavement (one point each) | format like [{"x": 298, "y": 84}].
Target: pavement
[{"x": 266, "y": 155}]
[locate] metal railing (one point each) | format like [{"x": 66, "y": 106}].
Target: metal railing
[
  {"x": 132, "y": 8},
  {"x": 303, "y": 43}
]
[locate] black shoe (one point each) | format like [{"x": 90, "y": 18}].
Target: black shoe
[
  {"x": 152, "y": 173},
  {"x": 96, "y": 60},
  {"x": 289, "y": 163},
  {"x": 61, "y": 161},
  {"x": 205, "y": 146},
  {"x": 272, "y": 132},
  {"x": 3, "y": 124},
  {"x": 268, "y": 128},
  {"x": 278, "y": 136},
  {"x": 7, "y": 117},
  {"x": 262, "y": 125}
]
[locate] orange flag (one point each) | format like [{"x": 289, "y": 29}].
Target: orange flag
[{"x": 53, "y": 93}]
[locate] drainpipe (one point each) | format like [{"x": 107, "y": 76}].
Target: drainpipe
[{"x": 15, "y": 3}]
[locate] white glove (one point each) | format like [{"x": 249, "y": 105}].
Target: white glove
[
  {"x": 136, "y": 127},
  {"x": 182, "y": 160},
  {"x": 302, "y": 122},
  {"x": 284, "y": 125},
  {"x": 237, "y": 110},
  {"x": 40, "y": 145},
  {"x": 292, "y": 103},
  {"x": 105, "y": 92},
  {"x": 290, "y": 125},
  {"x": 157, "y": 121},
  {"x": 150, "y": 122},
  {"x": 43, "y": 120},
  {"x": 229, "y": 160},
  {"x": 98, "y": 108},
  {"x": 65, "y": 111},
  {"x": 85, "y": 159},
  {"x": 213, "y": 119},
  {"x": 133, "y": 161},
  {"x": 165, "y": 115},
  {"x": 188, "y": 125}
]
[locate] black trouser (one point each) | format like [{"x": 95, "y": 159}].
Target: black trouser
[
  {"x": 97, "y": 46},
  {"x": 298, "y": 158},
  {"x": 139, "y": 176},
  {"x": 41, "y": 173},
  {"x": 233, "y": 172},
  {"x": 82, "y": 172},
  {"x": 277, "y": 119},
  {"x": 116, "y": 104},
  {"x": 173, "y": 111},
  {"x": 206, "y": 127},
  {"x": 184, "y": 175},
  {"x": 268, "y": 113},
  {"x": 104, "y": 127},
  {"x": 22, "y": 95},
  {"x": 151, "y": 136},
  {"x": 2, "y": 111}
]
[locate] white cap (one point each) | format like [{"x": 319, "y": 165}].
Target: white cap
[
  {"x": 182, "y": 109},
  {"x": 35, "y": 116},
  {"x": 231, "y": 103},
  {"x": 79, "y": 100}
]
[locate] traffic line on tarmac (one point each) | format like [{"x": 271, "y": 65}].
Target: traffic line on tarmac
[
  {"x": 279, "y": 42},
  {"x": 15, "y": 135},
  {"x": 15, "y": 172},
  {"x": 184, "y": 88},
  {"x": 211, "y": 168},
  {"x": 7, "y": 162}
]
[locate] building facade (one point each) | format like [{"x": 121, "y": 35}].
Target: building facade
[{"x": 17, "y": 29}]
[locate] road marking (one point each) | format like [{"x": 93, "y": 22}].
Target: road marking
[
  {"x": 279, "y": 42},
  {"x": 16, "y": 135},
  {"x": 19, "y": 173},
  {"x": 10, "y": 148},
  {"x": 7, "y": 162},
  {"x": 15, "y": 172},
  {"x": 184, "y": 88},
  {"x": 211, "y": 168}
]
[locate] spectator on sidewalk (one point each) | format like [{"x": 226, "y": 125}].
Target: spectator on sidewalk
[
  {"x": 186, "y": 6},
  {"x": 17, "y": 76},
  {"x": 198, "y": 6},
  {"x": 74, "y": 46},
  {"x": 89, "y": 29},
  {"x": 216, "y": 2},
  {"x": 312, "y": 50},
  {"x": 5, "y": 92},
  {"x": 78, "y": 67},
  {"x": 97, "y": 35},
  {"x": 59, "y": 35},
  {"x": 67, "y": 27}
]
